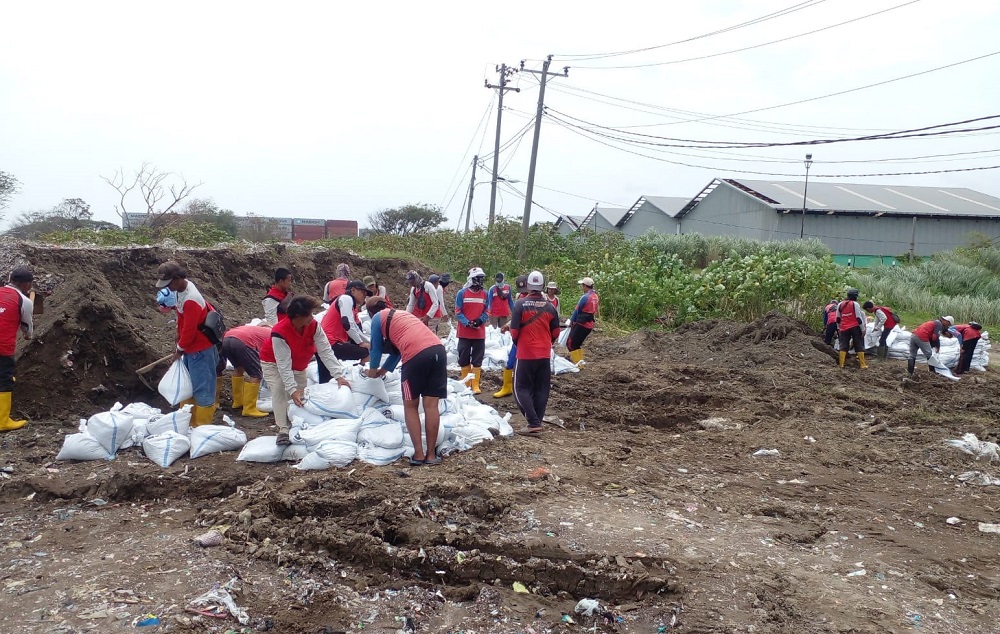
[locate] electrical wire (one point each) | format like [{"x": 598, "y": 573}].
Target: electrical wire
[
  {"x": 747, "y": 48},
  {"x": 444, "y": 207},
  {"x": 734, "y": 27}
]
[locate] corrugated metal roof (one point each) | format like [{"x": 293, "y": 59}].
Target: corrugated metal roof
[
  {"x": 906, "y": 200},
  {"x": 612, "y": 214},
  {"x": 574, "y": 221},
  {"x": 670, "y": 205}
]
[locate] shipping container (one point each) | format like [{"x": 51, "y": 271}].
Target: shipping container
[
  {"x": 308, "y": 222},
  {"x": 308, "y": 232}
]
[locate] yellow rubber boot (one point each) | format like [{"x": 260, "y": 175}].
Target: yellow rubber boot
[
  {"x": 476, "y": 373},
  {"x": 6, "y": 424},
  {"x": 219, "y": 381},
  {"x": 508, "y": 385},
  {"x": 861, "y": 361},
  {"x": 843, "y": 358},
  {"x": 202, "y": 415},
  {"x": 238, "y": 392},
  {"x": 250, "y": 393},
  {"x": 187, "y": 401},
  {"x": 466, "y": 371},
  {"x": 576, "y": 356}
]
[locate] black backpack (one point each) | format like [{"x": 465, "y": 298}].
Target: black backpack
[{"x": 214, "y": 326}]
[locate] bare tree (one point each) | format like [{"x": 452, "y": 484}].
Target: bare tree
[
  {"x": 258, "y": 229},
  {"x": 161, "y": 192},
  {"x": 8, "y": 187}
]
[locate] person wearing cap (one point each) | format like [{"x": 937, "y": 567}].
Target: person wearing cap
[
  {"x": 423, "y": 297},
  {"x": 424, "y": 375},
  {"x": 343, "y": 328},
  {"x": 442, "y": 311},
  {"x": 927, "y": 339},
  {"x": 470, "y": 312},
  {"x": 200, "y": 356},
  {"x": 338, "y": 286},
  {"x": 534, "y": 327},
  {"x": 552, "y": 294},
  {"x": 521, "y": 288},
  {"x": 852, "y": 323},
  {"x": 282, "y": 288},
  {"x": 241, "y": 347},
  {"x": 968, "y": 337},
  {"x": 499, "y": 302},
  {"x": 376, "y": 290},
  {"x": 885, "y": 321},
  {"x": 581, "y": 322},
  {"x": 16, "y": 311},
  {"x": 286, "y": 354},
  {"x": 830, "y": 322}
]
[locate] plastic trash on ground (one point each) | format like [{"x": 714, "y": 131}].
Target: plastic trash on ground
[{"x": 981, "y": 449}]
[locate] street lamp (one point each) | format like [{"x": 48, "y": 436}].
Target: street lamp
[
  {"x": 805, "y": 190},
  {"x": 472, "y": 187}
]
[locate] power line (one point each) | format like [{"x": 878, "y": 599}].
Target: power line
[
  {"x": 757, "y": 20},
  {"x": 451, "y": 184},
  {"x": 748, "y": 48}
]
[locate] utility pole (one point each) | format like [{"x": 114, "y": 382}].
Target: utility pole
[
  {"x": 526, "y": 220},
  {"x": 505, "y": 72},
  {"x": 472, "y": 189}
]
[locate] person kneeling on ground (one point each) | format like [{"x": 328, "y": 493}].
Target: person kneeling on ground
[
  {"x": 343, "y": 328},
  {"x": 534, "y": 327},
  {"x": 286, "y": 354},
  {"x": 852, "y": 324},
  {"x": 241, "y": 346},
  {"x": 424, "y": 373},
  {"x": 927, "y": 339},
  {"x": 968, "y": 336}
]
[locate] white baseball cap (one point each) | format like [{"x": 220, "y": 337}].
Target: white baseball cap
[
  {"x": 536, "y": 281},
  {"x": 949, "y": 319},
  {"x": 587, "y": 281}
]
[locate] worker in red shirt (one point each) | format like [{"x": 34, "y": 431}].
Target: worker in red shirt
[
  {"x": 423, "y": 297},
  {"x": 470, "y": 312},
  {"x": 927, "y": 339},
  {"x": 338, "y": 286},
  {"x": 15, "y": 316},
  {"x": 885, "y": 321},
  {"x": 200, "y": 356},
  {"x": 521, "y": 288},
  {"x": 499, "y": 302},
  {"x": 377, "y": 290},
  {"x": 282, "y": 288},
  {"x": 830, "y": 322},
  {"x": 852, "y": 323},
  {"x": 968, "y": 335},
  {"x": 534, "y": 327},
  {"x": 241, "y": 347},
  {"x": 286, "y": 354},
  {"x": 582, "y": 320},
  {"x": 552, "y": 294},
  {"x": 343, "y": 328},
  {"x": 424, "y": 374}
]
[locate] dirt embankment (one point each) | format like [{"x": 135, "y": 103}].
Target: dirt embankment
[{"x": 101, "y": 323}]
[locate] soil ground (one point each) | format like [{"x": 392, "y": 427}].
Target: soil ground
[{"x": 649, "y": 500}]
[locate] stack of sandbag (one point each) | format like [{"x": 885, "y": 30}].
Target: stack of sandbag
[
  {"x": 264, "y": 398},
  {"x": 330, "y": 400},
  {"x": 207, "y": 439},
  {"x": 266, "y": 449},
  {"x": 99, "y": 437}
]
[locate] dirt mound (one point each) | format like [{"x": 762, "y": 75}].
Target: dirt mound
[{"x": 101, "y": 323}]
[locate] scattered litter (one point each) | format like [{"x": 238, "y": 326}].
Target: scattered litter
[
  {"x": 989, "y": 528},
  {"x": 587, "y": 607},
  {"x": 209, "y": 539},
  {"x": 978, "y": 477},
  {"x": 719, "y": 424},
  {"x": 857, "y": 573},
  {"x": 146, "y": 620},
  {"x": 538, "y": 473},
  {"x": 760, "y": 453},
  {"x": 519, "y": 587},
  {"x": 971, "y": 445},
  {"x": 218, "y": 603},
  {"x": 98, "y": 501},
  {"x": 568, "y": 619},
  {"x": 809, "y": 439},
  {"x": 953, "y": 521}
]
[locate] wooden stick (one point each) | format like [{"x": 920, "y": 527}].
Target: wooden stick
[{"x": 146, "y": 368}]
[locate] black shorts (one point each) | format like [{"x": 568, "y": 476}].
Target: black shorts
[
  {"x": 349, "y": 351},
  {"x": 426, "y": 374},
  {"x": 471, "y": 352},
  {"x": 849, "y": 335},
  {"x": 241, "y": 356},
  {"x": 577, "y": 334}
]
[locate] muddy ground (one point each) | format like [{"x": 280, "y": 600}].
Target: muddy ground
[{"x": 649, "y": 501}]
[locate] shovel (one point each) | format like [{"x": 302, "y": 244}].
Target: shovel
[{"x": 144, "y": 370}]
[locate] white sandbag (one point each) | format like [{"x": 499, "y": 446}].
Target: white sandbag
[
  {"x": 206, "y": 439},
  {"x": 563, "y": 337},
  {"x": 176, "y": 386},
  {"x": 111, "y": 429},
  {"x": 294, "y": 453},
  {"x": 562, "y": 365},
  {"x": 395, "y": 412},
  {"x": 139, "y": 432},
  {"x": 360, "y": 382},
  {"x": 265, "y": 405},
  {"x": 380, "y": 456},
  {"x": 141, "y": 410},
  {"x": 343, "y": 429},
  {"x": 312, "y": 370},
  {"x": 382, "y": 432},
  {"x": 471, "y": 434},
  {"x": 368, "y": 401},
  {"x": 178, "y": 422},
  {"x": 331, "y": 453},
  {"x": 330, "y": 401},
  {"x": 262, "y": 449},
  {"x": 165, "y": 448},
  {"x": 83, "y": 446},
  {"x": 294, "y": 411}
]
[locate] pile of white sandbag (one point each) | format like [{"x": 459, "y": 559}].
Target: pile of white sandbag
[
  {"x": 163, "y": 437},
  {"x": 898, "y": 342}
]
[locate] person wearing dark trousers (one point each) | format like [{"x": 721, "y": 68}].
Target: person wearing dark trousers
[
  {"x": 470, "y": 312},
  {"x": 885, "y": 320},
  {"x": 968, "y": 336},
  {"x": 852, "y": 323},
  {"x": 343, "y": 328},
  {"x": 582, "y": 320},
  {"x": 830, "y": 322},
  {"x": 534, "y": 327},
  {"x": 16, "y": 311},
  {"x": 926, "y": 338}
]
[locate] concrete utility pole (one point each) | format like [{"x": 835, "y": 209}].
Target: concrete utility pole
[
  {"x": 505, "y": 72},
  {"x": 526, "y": 220},
  {"x": 805, "y": 191},
  {"x": 472, "y": 189}
]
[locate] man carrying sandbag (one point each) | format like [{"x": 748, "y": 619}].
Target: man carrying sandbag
[
  {"x": 927, "y": 339},
  {"x": 286, "y": 354},
  {"x": 405, "y": 337},
  {"x": 199, "y": 354},
  {"x": 968, "y": 337},
  {"x": 15, "y": 315},
  {"x": 534, "y": 327}
]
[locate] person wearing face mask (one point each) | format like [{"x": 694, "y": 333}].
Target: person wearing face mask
[
  {"x": 423, "y": 300},
  {"x": 470, "y": 311}
]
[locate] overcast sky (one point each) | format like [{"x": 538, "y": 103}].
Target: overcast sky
[{"x": 334, "y": 110}]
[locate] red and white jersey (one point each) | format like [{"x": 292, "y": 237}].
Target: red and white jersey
[{"x": 15, "y": 314}]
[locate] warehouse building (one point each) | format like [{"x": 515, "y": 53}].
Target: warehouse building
[
  {"x": 862, "y": 223},
  {"x": 656, "y": 213}
]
